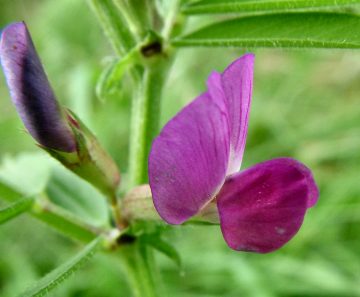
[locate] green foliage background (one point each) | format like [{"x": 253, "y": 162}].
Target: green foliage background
[{"x": 306, "y": 105}]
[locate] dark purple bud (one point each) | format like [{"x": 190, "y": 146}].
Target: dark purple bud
[{"x": 31, "y": 92}]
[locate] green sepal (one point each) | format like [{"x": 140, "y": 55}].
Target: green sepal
[
  {"x": 110, "y": 79},
  {"x": 90, "y": 161},
  {"x": 143, "y": 227}
]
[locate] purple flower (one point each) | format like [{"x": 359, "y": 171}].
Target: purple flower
[
  {"x": 195, "y": 159},
  {"x": 31, "y": 92}
]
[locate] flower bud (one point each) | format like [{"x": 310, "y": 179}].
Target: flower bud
[
  {"x": 57, "y": 130},
  {"x": 31, "y": 92}
]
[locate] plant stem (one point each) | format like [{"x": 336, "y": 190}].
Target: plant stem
[
  {"x": 145, "y": 122},
  {"x": 137, "y": 260}
]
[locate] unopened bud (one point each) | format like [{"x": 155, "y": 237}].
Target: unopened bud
[
  {"x": 31, "y": 92},
  {"x": 57, "y": 130}
]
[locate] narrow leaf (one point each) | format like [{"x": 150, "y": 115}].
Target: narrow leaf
[
  {"x": 78, "y": 197},
  {"x": 299, "y": 30},
  {"x": 111, "y": 77},
  {"x": 253, "y": 6},
  {"x": 164, "y": 247},
  {"x": 114, "y": 25},
  {"x": 15, "y": 209},
  {"x": 62, "y": 273}
]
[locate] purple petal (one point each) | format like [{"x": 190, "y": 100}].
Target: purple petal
[
  {"x": 312, "y": 187},
  {"x": 263, "y": 207},
  {"x": 235, "y": 84},
  {"x": 189, "y": 159},
  {"x": 30, "y": 90}
]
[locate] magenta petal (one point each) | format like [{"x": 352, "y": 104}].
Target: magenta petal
[
  {"x": 189, "y": 159},
  {"x": 237, "y": 82},
  {"x": 263, "y": 207},
  {"x": 30, "y": 90}
]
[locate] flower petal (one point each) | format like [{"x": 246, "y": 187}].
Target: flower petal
[
  {"x": 30, "y": 90},
  {"x": 189, "y": 159},
  {"x": 236, "y": 84},
  {"x": 263, "y": 207}
]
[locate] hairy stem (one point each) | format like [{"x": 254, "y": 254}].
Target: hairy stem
[{"x": 145, "y": 122}]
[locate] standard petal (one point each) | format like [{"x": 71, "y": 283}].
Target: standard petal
[
  {"x": 30, "y": 90},
  {"x": 263, "y": 207},
  {"x": 236, "y": 83},
  {"x": 189, "y": 159}
]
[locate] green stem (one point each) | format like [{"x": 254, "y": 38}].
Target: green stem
[
  {"x": 138, "y": 262},
  {"x": 145, "y": 122}
]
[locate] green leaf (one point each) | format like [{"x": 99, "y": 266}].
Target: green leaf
[
  {"x": 163, "y": 247},
  {"x": 299, "y": 30},
  {"x": 77, "y": 196},
  {"x": 15, "y": 209},
  {"x": 251, "y": 6},
  {"x": 62, "y": 273},
  {"x": 110, "y": 79}
]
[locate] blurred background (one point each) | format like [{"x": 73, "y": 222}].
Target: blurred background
[{"x": 306, "y": 105}]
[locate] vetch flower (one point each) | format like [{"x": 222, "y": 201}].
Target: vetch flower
[
  {"x": 57, "y": 130},
  {"x": 194, "y": 161}
]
